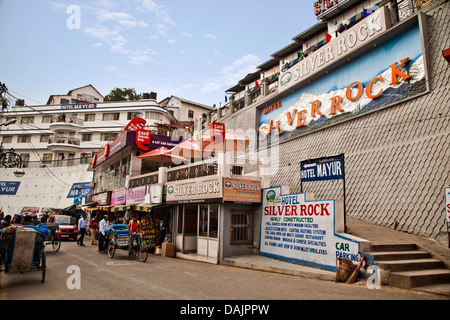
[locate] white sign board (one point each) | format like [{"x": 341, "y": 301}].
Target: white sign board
[{"x": 302, "y": 231}]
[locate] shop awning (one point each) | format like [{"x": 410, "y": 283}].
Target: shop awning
[
  {"x": 146, "y": 207},
  {"x": 89, "y": 204},
  {"x": 91, "y": 209},
  {"x": 120, "y": 208},
  {"x": 104, "y": 208}
]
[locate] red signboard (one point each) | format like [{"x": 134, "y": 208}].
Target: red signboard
[
  {"x": 143, "y": 137},
  {"x": 135, "y": 124},
  {"x": 217, "y": 132}
]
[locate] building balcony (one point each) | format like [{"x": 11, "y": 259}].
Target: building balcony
[
  {"x": 63, "y": 143},
  {"x": 65, "y": 123},
  {"x": 208, "y": 180}
]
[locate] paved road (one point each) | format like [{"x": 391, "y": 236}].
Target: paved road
[{"x": 162, "y": 278}]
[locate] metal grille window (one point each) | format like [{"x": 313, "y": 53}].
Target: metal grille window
[{"x": 241, "y": 227}]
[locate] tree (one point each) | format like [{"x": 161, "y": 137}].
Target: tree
[{"x": 124, "y": 94}]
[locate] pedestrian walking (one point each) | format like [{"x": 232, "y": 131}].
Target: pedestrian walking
[
  {"x": 6, "y": 222},
  {"x": 162, "y": 232},
  {"x": 82, "y": 229},
  {"x": 103, "y": 238},
  {"x": 93, "y": 227}
]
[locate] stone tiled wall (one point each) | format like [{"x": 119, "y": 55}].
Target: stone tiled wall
[{"x": 396, "y": 159}]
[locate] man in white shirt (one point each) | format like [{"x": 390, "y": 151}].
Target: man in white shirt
[
  {"x": 103, "y": 238},
  {"x": 81, "y": 229}
]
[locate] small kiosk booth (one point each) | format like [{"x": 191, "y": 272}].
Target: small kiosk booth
[{"x": 214, "y": 216}]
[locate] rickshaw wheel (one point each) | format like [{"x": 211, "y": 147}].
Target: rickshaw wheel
[
  {"x": 43, "y": 264},
  {"x": 111, "y": 250},
  {"x": 56, "y": 243},
  {"x": 143, "y": 253}
]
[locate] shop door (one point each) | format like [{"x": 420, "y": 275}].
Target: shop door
[
  {"x": 189, "y": 230},
  {"x": 207, "y": 241}
]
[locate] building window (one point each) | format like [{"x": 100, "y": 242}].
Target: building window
[
  {"x": 46, "y": 119},
  {"x": 24, "y": 139},
  {"x": 27, "y": 120},
  {"x": 152, "y": 115},
  {"x": 89, "y": 117},
  {"x": 7, "y": 139},
  {"x": 84, "y": 158},
  {"x": 134, "y": 114},
  {"x": 25, "y": 159},
  {"x": 47, "y": 158},
  {"x": 241, "y": 227},
  {"x": 108, "y": 136},
  {"x": 44, "y": 138},
  {"x": 86, "y": 137},
  {"x": 111, "y": 116},
  {"x": 190, "y": 114}
]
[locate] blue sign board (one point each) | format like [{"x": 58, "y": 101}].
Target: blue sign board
[
  {"x": 331, "y": 168},
  {"x": 9, "y": 187},
  {"x": 79, "y": 189}
]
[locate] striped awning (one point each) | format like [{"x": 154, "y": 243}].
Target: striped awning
[
  {"x": 146, "y": 207},
  {"x": 120, "y": 208},
  {"x": 91, "y": 209},
  {"x": 104, "y": 208}
]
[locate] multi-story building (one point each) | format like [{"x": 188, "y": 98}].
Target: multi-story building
[
  {"x": 369, "y": 81},
  {"x": 57, "y": 140}
]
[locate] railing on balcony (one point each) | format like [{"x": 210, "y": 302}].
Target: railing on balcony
[
  {"x": 62, "y": 118},
  {"x": 57, "y": 163},
  {"x": 202, "y": 169},
  {"x": 64, "y": 140},
  {"x": 151, "y": 178},
  {"x": 195, "y": 170}
]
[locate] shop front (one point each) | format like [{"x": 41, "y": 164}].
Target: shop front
[
  {"x": 213, "y": 218},
  {"x": 147, "y": 203}
]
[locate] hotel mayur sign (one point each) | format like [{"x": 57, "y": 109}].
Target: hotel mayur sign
[
  {"x": 302, "y": 231},
  {"x": 387, "y": 73}
]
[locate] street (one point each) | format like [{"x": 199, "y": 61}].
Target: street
[{"x": 81, "y": 273}]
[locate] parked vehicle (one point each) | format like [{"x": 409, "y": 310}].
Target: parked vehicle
[{"x": 67, "y": 226}]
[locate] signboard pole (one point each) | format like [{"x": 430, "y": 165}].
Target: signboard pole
[
  {"x": 343, "y": 186},
  {"x": 447, "y": 211}
]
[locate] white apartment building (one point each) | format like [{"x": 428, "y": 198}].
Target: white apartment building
[{"x": 56, "y": 141}]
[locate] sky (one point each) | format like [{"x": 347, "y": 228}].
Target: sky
[{"x": 193, "y": 49}]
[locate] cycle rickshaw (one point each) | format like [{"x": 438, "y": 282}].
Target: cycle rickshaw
[
  {"x": 52, "y": 238},
  {"x": 118, "y": 236},
  {"x": 22, "y": 249}
]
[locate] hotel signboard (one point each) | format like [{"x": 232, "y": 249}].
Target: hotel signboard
[
  {"x": 198, "y": 190},
  {"x": 302, "y": 231},
  {"x": 349, "y": 41},
  {"x": 376, "y": 76},
  {"x": 241, "y": 191}
]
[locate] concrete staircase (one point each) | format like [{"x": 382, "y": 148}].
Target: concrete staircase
[{"x": 406, "y": 266}]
